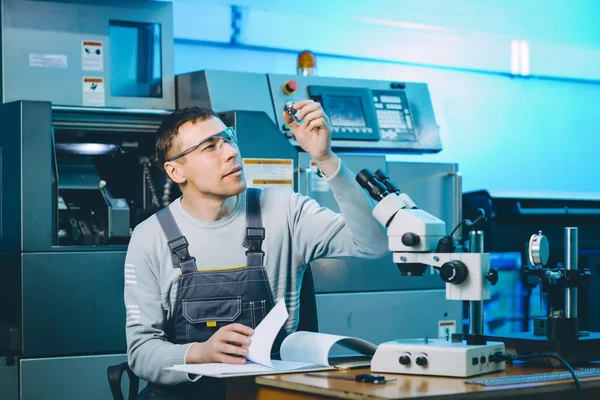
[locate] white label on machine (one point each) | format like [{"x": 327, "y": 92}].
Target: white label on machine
[
  {"x": 269, "y": 172},
  {"x": 93, "y": 92},
  {"x": 319, "y": 184},
  {"x": 92, "y": 55},
  {"x": 446, "y": 329},
  {"x": 47, "y": 60}
]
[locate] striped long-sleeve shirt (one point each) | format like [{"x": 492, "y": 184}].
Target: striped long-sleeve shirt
[{"x": 298, "y": 230}]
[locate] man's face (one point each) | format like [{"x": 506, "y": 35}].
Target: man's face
[{"x": 212, "y": 175}]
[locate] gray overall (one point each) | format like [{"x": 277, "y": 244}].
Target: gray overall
[{"x": 209, "y": 300}]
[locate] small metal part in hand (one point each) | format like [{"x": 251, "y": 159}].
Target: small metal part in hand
[{"x": 289, "y": 108}]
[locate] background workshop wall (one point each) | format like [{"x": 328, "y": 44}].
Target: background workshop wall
[{"x": 515, "y": 84}]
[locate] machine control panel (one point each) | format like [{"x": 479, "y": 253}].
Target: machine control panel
[
  {"x": 365, "y": 114},
  {"x": 393, "y": 115}
]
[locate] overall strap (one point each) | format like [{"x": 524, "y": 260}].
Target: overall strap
[
  {"x": 178, "y": 244},
  {"x": 255, "y": 233}
]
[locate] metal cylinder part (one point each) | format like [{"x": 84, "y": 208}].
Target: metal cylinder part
[
  {"x": 456, "y": 179},
  {"x": 476, "y": 317},
  {"x": 476, "y": 242},
  {"x": 476, "y": 307},
  {"x": 571, "y": 257}
]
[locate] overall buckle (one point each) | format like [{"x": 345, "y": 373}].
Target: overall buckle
[
  {"x": 255, "y": 237},
  {"x": 179, "y": 247}
]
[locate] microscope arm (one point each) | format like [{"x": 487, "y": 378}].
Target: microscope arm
[{"x": 467, "y": 275}]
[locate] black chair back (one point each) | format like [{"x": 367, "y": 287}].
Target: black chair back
[
  {"x": 308, "y": 320},
  {"x": 115, "y": 374}
]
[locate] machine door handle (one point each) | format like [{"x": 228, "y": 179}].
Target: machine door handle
[
  {"x": 307, "y": 172},
  {"x": 309, "y": 181}
]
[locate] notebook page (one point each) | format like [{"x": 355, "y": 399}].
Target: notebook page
[
  {"x": 259, "y": 351},
  {"x": 314, "y": 347}
]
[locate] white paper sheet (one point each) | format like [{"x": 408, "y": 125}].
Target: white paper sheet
[
  {"x": 219, "y": 368},
  {"x": 259, "y": 351},
  {"x": 250, "y": 368},
  {"x": 300, "y": 351},
  {"x": 314, "y": 347}
]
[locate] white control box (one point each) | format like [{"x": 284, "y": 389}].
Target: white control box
[{"x": 436, "y": 357}]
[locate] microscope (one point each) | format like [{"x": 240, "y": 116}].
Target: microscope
[{"x": 418, "y": 240}]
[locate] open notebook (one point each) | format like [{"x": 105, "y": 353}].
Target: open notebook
[{"x": 300, "y": 351}]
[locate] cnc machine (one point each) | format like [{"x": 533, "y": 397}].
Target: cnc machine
[{"x": 85, "y": 85}]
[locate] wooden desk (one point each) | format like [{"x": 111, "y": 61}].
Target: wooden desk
[{"x": 299, "y": 386}]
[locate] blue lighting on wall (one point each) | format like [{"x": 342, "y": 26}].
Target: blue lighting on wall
[{"x": 535, "y": 133}]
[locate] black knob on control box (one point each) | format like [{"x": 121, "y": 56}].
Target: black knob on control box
[
  {"x": 404, "y": 360},
  {"x": 421, "y": 361}
]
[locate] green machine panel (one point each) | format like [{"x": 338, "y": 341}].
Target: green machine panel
[
  {"x": 66, "y": 378},
  {"x": 73, "y": 303}
]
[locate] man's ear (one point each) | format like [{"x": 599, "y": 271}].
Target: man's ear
[{"x": 174, "y": 171}]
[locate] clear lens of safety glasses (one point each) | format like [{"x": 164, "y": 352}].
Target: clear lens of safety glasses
[{"x": 211, "y": 146}]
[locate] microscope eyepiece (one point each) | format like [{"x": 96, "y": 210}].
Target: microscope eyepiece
[
  {"x": 382, "y": 176},
  {"x": 385, "y": 179},
  {"x": 369, "y": 182}
]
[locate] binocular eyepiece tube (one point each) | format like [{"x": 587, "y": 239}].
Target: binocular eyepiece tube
[{"x": 377, "y": 185}]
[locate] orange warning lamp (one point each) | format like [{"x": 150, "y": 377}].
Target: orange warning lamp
[{"x": 307, "y": 63}]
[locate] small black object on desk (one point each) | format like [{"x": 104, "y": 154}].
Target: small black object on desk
[{"x": 366, "y": 378}]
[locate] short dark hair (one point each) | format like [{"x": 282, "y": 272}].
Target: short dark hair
[{"x": 167, "y": 132}]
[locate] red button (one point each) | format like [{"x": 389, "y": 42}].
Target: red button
[{"x": 290, "y": 87}]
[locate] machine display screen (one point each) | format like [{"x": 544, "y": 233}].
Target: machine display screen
[{"x": 344, "y": 110}]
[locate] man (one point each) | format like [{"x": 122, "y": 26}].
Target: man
[{"x": 196, "y": 278}]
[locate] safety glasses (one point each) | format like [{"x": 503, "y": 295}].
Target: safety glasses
[{"x": 211, "y": 146}]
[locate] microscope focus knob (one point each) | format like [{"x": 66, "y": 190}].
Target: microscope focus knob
[
  {"x": 454, "y": 272},
  {"x": 410, "y": 239}
]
